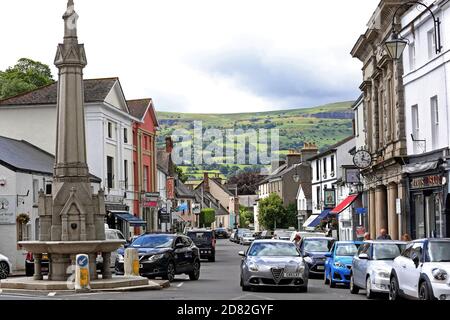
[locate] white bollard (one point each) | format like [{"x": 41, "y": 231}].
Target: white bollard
[
  {"x": 82, "y": 280},
  {"x": 131, "y": 262}
]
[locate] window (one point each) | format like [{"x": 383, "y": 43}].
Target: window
[
  {"x": 145, "y": 142},
  {"x": 412, "y": 56},
  {"x": 431, "y": 44},
  {"x": 110, "y": 172},
  {"x": 125, "y": 169},
  {"x": 435, "y": 122},
  {"x": 332, "y": 163},
  {"x": 48, "y": 188},
  {"x": 318, "y": 197},
  {"x": 415, "y": 125},
  {"x": 325, "y": 167},
  {"x": 146, "y": 178},
  {"x": 125, "y": 135},
  {"x": 110, "y": 129},
  {"x": 317, "y": 169},
  {"x": 35, "y": 191}
]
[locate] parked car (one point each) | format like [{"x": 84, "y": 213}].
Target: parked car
[
  {"x": 338, "y": 264},
  {"x": 5, "y": 267},
  {"x": 306, "y": 234},
  {"x": 29, "y": 264},
  {"x": 239, "y": 233},
  {"x": 273, "y": 263},
  {"x": 247, "y": 238},
  {"x": 266, "y": 234},
  {"x": 221, "y": 233},
  {"x": 205, "y": 241},
  {"x": 372, "y": 265},
  {"x": 282, "y": 234},
  {"x": 233, "y": 236},
  {"x": 313, "y": 250},
  {"x": 110, "y": 234},
  {"x": 164, "y": 255},
  {"x": 422, "y": 271}
]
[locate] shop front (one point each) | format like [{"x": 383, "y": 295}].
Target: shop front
[{"x": 428, "y": 192}]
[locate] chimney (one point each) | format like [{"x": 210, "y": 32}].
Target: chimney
[
  {"x": 309, "y": 150},
  {"x": 206, "y": 181},
  {"x": 293, "y": 158},
  {"x": 169, "y": 144}
]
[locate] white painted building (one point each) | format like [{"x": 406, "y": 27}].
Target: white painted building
[
  {"x": 32, "y": 117},
  {"x": 24, "y": 171}
]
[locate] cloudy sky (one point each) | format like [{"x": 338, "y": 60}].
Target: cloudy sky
[{"x": 203, "y": 55}]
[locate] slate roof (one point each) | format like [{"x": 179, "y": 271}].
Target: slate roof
[
  {"x": 138, "y": 107},
  {"x": 95, "y": 90},
  {"x": 331, "y": 149},
  {"x": 163, "y": 161},
  {"x": 22, "y": 156},
  {"x": 210, "y": 202},
  {"x": 181, "y": 191}
]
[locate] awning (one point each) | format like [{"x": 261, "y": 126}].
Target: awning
[
  {"x": 309, "y": 220},
  {"x": 420, "y": 167},
  {"x": 132, "y": 220},
  {"x": 182, "y": 207},
  {"x": 318, "y": 218},
  {"x": 345, "y": 204}
]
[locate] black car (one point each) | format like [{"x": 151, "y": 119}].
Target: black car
[
  {"x": 164, "y": 255},
  {"x": 221, "y": 233},
  {"x": 313, "y": 251},
  {"x": 206, "y": 242}
]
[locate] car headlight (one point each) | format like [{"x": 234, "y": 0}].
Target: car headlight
[
  {"x": 338, "y": 264},
  {"x": 308, "y": 260},
  {"x": 439, "y": 274},
  {"x": 253, "y": 267},
  {"x": 301, "y": 268},
  {"x": 382, "y": 273},
  {"x": 156, "y": 257}
]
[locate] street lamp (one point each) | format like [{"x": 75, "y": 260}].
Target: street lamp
[
  {"x": 296, "y": 176},
  {"x": 396, "y": 45}
]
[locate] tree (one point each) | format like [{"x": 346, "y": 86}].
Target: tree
[
  {"x": 247, "y": 182},
  {"x": 245, "y": 217},
  {"x": 273, "y": 215},
  {"x": 181, "y": 175},
  {"x": 25, "y": 76},
  {"x": 292, "y": 215},
  {"x": 207, "y": 217}
]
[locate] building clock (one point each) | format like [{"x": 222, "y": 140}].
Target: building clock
[{"x": 362, "y": 159}]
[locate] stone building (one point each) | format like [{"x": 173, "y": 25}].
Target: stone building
[{"x": 384, "y": 124}]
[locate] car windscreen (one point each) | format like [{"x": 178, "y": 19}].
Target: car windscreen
[
  {"x": 346, "y": 250},
  {"x": 242, "y": 231},
  {"x": 248, "y": 235},
  {"x": 439, "y": 251},
  {"x": 318, "y": 245},
  {"x": 273, "y": 249},
  {"x": 160, "y": 241},
  {"x": 200, "y": 236},
  {"x": 387, "y": 251}
]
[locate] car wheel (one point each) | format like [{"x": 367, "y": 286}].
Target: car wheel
[
  {"x": 4, "y": 270},
  {"x": 393, "y": 289},
  {"x": 195, "y": 274},
  {"x": 170, "y": 274},
  {"x": 424, "y": 291},
  {"x": 369, "y": 292},
  {"x": 325, "y": 278},
  {"x": 354, "y": 289}
]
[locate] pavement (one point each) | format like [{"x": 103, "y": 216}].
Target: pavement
[{"x": 218, "y": 281}]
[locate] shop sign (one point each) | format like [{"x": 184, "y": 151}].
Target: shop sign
[
  {"x": 7, "y": 210},
  {"x": 426, "y": 182},
  {"x": 150, "y": 200}
]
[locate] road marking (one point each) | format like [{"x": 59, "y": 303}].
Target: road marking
[
  {"x": 51, "y": 294},
  {"x": 179, "y": 285}
]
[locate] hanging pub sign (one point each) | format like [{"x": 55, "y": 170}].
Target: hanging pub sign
[
  {"x": 426, "y": 182},
  {"x": 164, "y": 215},
  {"x": 330, "y": 198},
  {"x": 170, "y": 187},
  {"x": 196, "y": 209}
]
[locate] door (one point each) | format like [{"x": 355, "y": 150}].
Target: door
[
  {"x": 360, "y": 266},
  {"x": 189, "y": 255},
  {"x": 180, "y": 255},
  {"x": 411, "y": 272}
]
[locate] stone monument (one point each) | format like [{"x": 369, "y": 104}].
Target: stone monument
[{"x": 72, "y": 218}]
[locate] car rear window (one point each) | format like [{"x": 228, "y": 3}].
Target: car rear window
[{"x": 200, "y": 235}]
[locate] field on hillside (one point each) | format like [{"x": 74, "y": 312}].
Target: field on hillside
[{"x": 323, "y": 125}]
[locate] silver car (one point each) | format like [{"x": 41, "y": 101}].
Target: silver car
[
  {"x": 247, "y": 238},
  {"x": 5, "y": 267},
  {"x": 273, "y": 263},
  {"x": 372, "y": 265}
]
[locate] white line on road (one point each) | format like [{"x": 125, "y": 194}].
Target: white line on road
[{"x": 179, "y": 285}]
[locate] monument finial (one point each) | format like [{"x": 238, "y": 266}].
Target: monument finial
[{"x": 70, "y": 21}]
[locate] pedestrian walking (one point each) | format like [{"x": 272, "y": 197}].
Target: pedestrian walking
[
  {"x": 297, "y": 240},
  {"x": 367, "y": 236},
  {"x": 406, "y": 237},
  {"x": 383, "y": 235}
]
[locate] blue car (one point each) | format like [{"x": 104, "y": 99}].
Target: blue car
[{"x": 338, "y": 264}]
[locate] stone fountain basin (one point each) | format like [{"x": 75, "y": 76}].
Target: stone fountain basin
[{"x": 71, "y": 247}]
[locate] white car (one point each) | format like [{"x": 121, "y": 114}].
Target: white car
[
  {"x": 247, "y": 238},
  {"x": 372, "y": 265},
  {"x": 422, "y": 271},
  {"x": 5, "y": 267},
  {"x": 111, "y": 234}
]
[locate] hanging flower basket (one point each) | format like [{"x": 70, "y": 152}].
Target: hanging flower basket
[{"x": 23, "y": 218}]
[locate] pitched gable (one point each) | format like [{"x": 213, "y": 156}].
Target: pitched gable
[{"x": 116, "y": 97}]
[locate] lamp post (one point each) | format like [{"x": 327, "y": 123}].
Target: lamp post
[{"x": 395, "y": 45}]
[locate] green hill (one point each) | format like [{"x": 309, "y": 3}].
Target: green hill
[{"x": 324, "y": 125}]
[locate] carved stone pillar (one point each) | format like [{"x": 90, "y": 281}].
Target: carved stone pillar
[
  {"x": 37, "y": 266},
  {"x": 106, "y": 272},
  {"x": 392, "y": 191},
  {"x": 372, "y": 214},
  {"x": 380, "y": 208}
]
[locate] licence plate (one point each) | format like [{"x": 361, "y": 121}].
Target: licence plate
[
  {"x": 292, "y": 275},
  {"x": 320, "y": 268}
]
